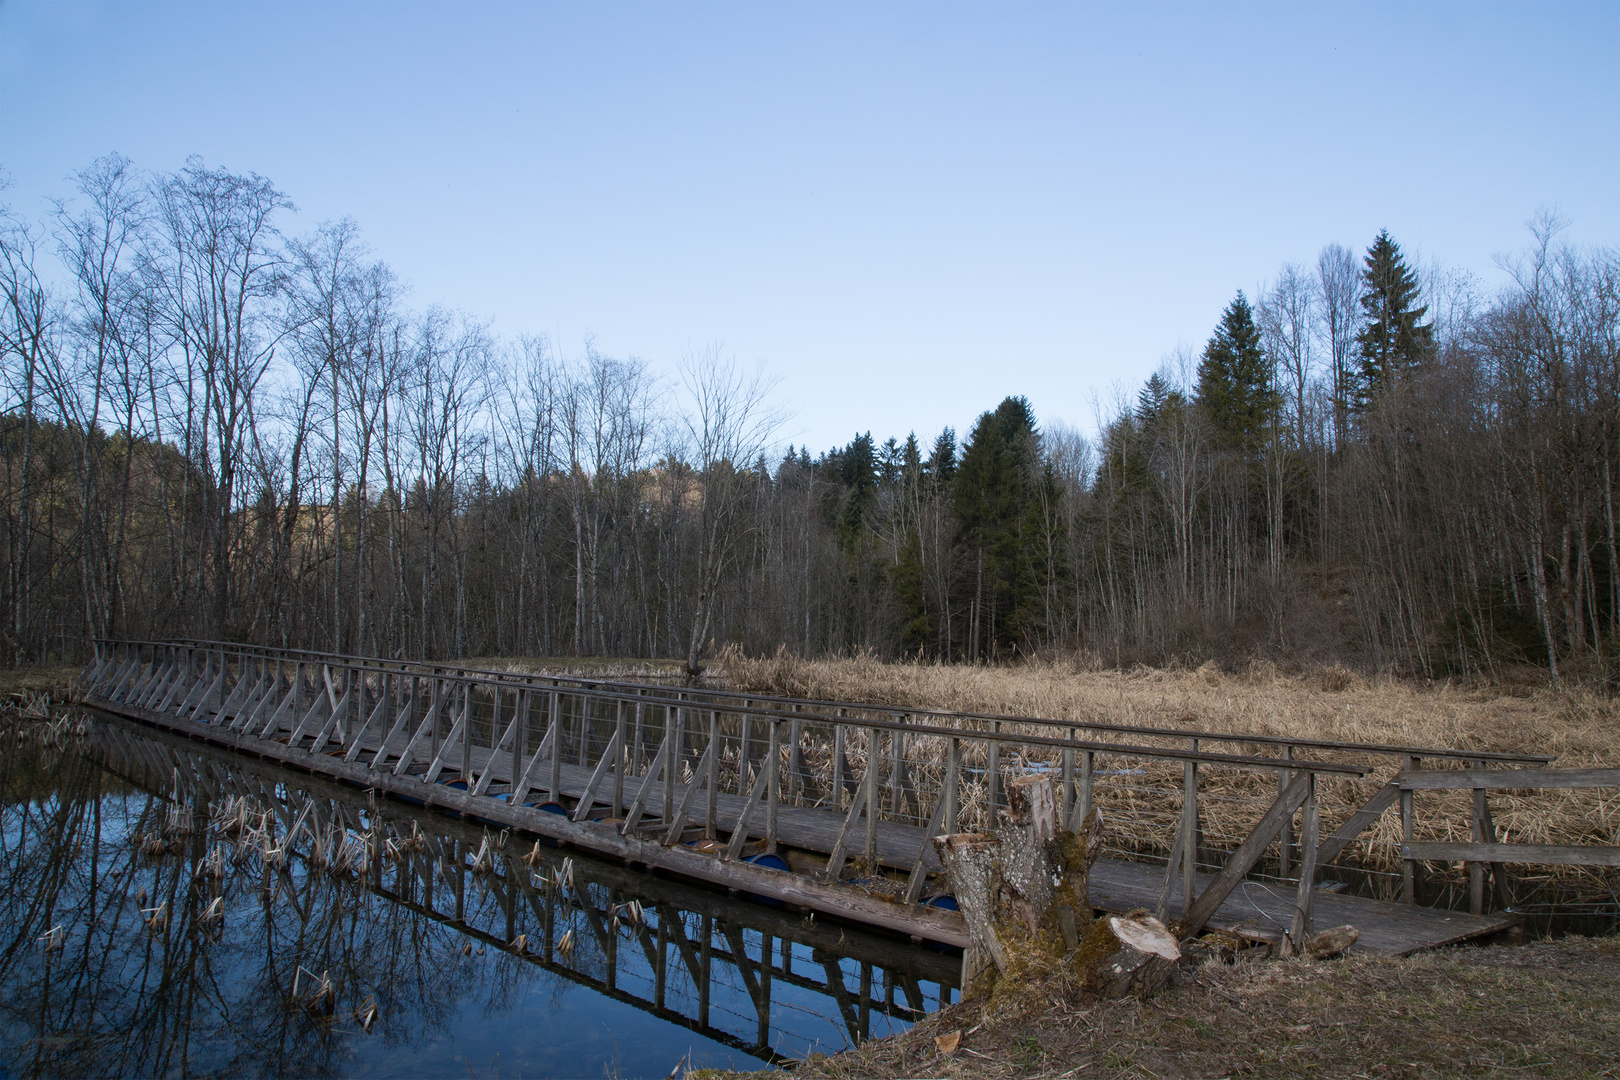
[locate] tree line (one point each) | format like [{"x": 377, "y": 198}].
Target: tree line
[{"x": 213, "y": 427}]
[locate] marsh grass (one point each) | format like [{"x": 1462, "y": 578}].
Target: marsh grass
[{"x": 1577, "y": 727}]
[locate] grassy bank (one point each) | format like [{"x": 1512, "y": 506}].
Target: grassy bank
[
  {"x": 1546, "y": 1009},
  {"x": 22, "y": 686}
]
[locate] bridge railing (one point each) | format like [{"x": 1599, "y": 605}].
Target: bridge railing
[{"x": 735, "y": 771}]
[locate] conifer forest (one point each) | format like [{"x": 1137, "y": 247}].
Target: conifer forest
[{"x": 217, "y": 426}]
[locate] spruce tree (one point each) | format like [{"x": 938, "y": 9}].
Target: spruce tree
[
  {"x": 858, "y": 471},
  {"x": 994, "y": 487},
  {"x": 1234, "y": 380},
  {"x": 1394, "y": 342},
  {"x": 942, "y": 461}
]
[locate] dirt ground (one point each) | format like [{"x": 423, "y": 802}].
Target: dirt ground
[{"x": 1549, "y": 1008}]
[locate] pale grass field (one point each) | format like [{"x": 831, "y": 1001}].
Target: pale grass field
[{"x": 1576, "y": 727}]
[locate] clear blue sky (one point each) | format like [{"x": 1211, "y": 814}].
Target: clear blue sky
[{"x": 906, "y": 211}]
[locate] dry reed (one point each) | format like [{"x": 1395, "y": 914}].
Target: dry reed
[{"x": 1575, "y": 727}]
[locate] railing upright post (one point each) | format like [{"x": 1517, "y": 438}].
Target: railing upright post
[
  {"x": 953, "y": 760},
  {"x": 1066, "y": 806},
  {"x": 873, "y": 763},
  {"x": 1189, "y": 827},
  {"x": 1285, "y": 839},
  {"x": 554, "y": 711},
  {"x": 773, "y": 786},
  {"x": 623, "y": 756},
  {"x": 1088, "y": 770},
  {"x": 711, "y": 782},
  {"x": 1300, "y": 928},
  {"x": 1408, "y": 866},
  {"x": 1476, "y": 870},
  {"x": 897, "y": 750},
  {"x": 840, "y": 759}
]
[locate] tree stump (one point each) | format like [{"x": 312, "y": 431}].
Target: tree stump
[
  {"x": 1128, "y": 955},
  {"x": 1024, "y": 890}
]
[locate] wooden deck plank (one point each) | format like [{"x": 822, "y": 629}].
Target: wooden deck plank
[{"x": 1262, "y": 910}]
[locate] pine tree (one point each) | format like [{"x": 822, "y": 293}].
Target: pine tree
[
  {"x": 1394, "y": 342},
  {"x": 858, "y": 471},
  {"x": 1234, "y": 380},
  {"x": 992, "y": 492},
  {"x": 942, "y": 460}
]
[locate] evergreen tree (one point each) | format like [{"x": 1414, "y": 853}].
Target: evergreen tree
[
  {"x": 911, "y": 458},
  {"x": 858, "y": 472},
  {"x": 1393, "y": 342},
  {"x": 1155, "y": 399},
  {"x": 1234, "y": 380},
  {"x": 916, "y": 627},
  {"x": 993, "y": 490},
  {"x": 942, "y": 460}
]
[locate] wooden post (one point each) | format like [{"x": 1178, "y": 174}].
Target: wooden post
[
  {"x": 520, "y": 740},
  {"x": 897, "y": 749},
  {"x": 713, "y": 779},
  {"x": 1189, "y": 827},
  {"x": 873, "y": 764},
  {"x": 584, "y": 729},
  {"x": 796, "y": 768},
  {"x": 1285, "y": 840},
  {"x": 618, "y": 766},
  {"x": 773, "y": 790},
  {"x": 1088, "y": 763},
  {"x": 992, "y": 775},
  {"x": 1066, "y": 808},
  {"x": 1300, "y": 928},
  {"x": 674, "y": 722},
  {"x": 1476, "y": 870},
  {"x": 554, "y": 789},
  {"x": 953, "y": 754},
  {"x": 839, "y": 763},
  {"x": 639, "y": 747},
  {"x": 1408, "y": 866},
  {"x": 468, "y": 695}
]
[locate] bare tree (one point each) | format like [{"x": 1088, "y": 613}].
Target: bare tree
[
  {"x": 1338, "y": 281},
  {"x": 1288, "y": 320},
  {"x": 220, "y": 274},
  {"x": 730, "y": 421}
]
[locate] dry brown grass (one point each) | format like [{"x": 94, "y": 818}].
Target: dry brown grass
[
  {"x": 37, "y": 688},
  {"x": 583, "y": 667},
  {"x": 1576, "y": 727},
  {"x": 1546, "y": 1009}
]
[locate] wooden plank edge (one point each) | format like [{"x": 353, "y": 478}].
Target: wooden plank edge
[
  {"x": 1532, "y": 854},
  {"x": 935, "y": 924},
  {"x": 1505, "y": 779}
]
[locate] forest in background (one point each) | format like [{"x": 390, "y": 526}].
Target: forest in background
[{"x": 213, "y": 428}]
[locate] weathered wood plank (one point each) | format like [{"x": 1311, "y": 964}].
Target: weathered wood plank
[
  {"x": 1535, "y": 854},
  {"x": 1507, "y": 779}
]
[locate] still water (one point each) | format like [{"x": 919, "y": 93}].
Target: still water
[{"x": 171, "y": 910}]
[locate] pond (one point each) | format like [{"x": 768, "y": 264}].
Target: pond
[{"x": 173, "y": 910}]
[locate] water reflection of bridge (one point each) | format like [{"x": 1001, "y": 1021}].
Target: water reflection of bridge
[{"x": 748, "y": 975}]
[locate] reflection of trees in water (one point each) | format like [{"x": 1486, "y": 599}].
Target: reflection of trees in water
[
  {"x": 120, "y": 998},
  {"x": 85, "y": 849}
]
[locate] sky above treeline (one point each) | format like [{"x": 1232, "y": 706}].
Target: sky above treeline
[{"x": 906, "y": 212}]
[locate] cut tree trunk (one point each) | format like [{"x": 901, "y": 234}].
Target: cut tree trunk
[
  {"x": 1128, "y": 955},
  {"x": 1023, "y": 890}
]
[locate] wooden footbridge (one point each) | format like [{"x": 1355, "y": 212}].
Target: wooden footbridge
[
  {"x": 830, "y": 807},
  {"x": 747, "y": 975}
]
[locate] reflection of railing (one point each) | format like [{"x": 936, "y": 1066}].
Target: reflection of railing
[
  {"x": 832, "y": 784},
  {"x": 590, "y": 922}
]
